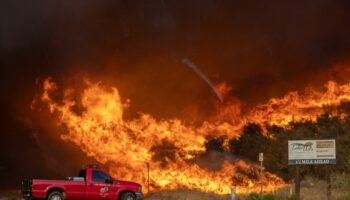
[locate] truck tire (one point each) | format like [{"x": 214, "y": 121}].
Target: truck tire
[
  {"x": 128, "y": 196},
  {"x": 55, "y": 195}
]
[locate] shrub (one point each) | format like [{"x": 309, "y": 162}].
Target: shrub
[
  {"x": 269, "y": 197},
  {"x": 253, "y": 196},
  {"x": 256, "y": 196}
]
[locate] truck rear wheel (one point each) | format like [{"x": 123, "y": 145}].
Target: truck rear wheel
[
  {"x": 55, "y": 195},
  {"x": 128, "y": 196}
]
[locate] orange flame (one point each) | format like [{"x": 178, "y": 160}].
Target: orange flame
[
  {"x": 294, "y": 106},
  {"x": 127, "y": 145}
]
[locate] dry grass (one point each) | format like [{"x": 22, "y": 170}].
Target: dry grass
[
  {"x": 181, "y": 194},
  {"x": 10, "y": 194},
  {"x": 312, "y": 189}
]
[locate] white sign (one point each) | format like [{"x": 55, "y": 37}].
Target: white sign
[
  {"x": 311, "y": 152},
  {"x": 261, "y": 157}
]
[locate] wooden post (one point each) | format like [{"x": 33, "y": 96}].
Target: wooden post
[
  {"x": 329, "y": 185},
  {"x": 261, "y": 159},
  {"x": 297, "y": 182},
  {"x": 148, "y": 166},
  {"x": 261, "y": 180},
  {"x": 233, "y": 194}
]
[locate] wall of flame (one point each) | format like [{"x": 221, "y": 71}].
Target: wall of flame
[{"x": 125, "y": 146}]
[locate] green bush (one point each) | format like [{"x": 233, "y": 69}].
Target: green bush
[
  {"x": 256, "y": 196},
  {"x": 341, "y": 182},
  {"x": 253, "y": 196},
  {"x": 269, "y": 197}
]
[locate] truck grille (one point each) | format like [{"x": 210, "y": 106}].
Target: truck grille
[{"x": 26, "y": 188}]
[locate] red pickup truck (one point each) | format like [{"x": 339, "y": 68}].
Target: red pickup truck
[{"x": 91, "y": 183}]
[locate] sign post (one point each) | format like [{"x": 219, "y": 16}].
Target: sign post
[
  {"x": 261, "y": 160},
  {"x": 297, "y": 182}
]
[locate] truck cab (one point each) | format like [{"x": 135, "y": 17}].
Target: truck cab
[{"x": 91, "y": 183}]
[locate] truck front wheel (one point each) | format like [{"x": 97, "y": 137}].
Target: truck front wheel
[
  {"x": 128, "y": 196},
  {"x": 55, "y": 195}
]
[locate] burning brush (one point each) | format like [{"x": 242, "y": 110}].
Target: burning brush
[{"x": 172, "y": 147}]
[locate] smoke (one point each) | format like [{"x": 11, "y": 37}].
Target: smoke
[{"x": 191, "y": 65}]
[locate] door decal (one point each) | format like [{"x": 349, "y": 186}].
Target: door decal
[{"x": 104, "y": 189}]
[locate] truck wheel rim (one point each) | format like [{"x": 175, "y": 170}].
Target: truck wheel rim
[
  {"x": 56, "y": 197},
  {"x": 130, "y": 198}
]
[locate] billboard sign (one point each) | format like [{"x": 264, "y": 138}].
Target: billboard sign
[{"x": 311, "y": 152}]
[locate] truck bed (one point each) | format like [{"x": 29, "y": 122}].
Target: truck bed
[{"x": 74, "y": 188}]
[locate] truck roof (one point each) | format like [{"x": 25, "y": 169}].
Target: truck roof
[{"x": 93, "y": 166}]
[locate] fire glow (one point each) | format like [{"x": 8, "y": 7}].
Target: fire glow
[{"x": 125, "y": 146}]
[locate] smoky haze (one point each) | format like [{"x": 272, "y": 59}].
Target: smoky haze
[{"x": 261, "y": 49}]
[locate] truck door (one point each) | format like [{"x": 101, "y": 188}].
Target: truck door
[{"x": 99, "y": 187}]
